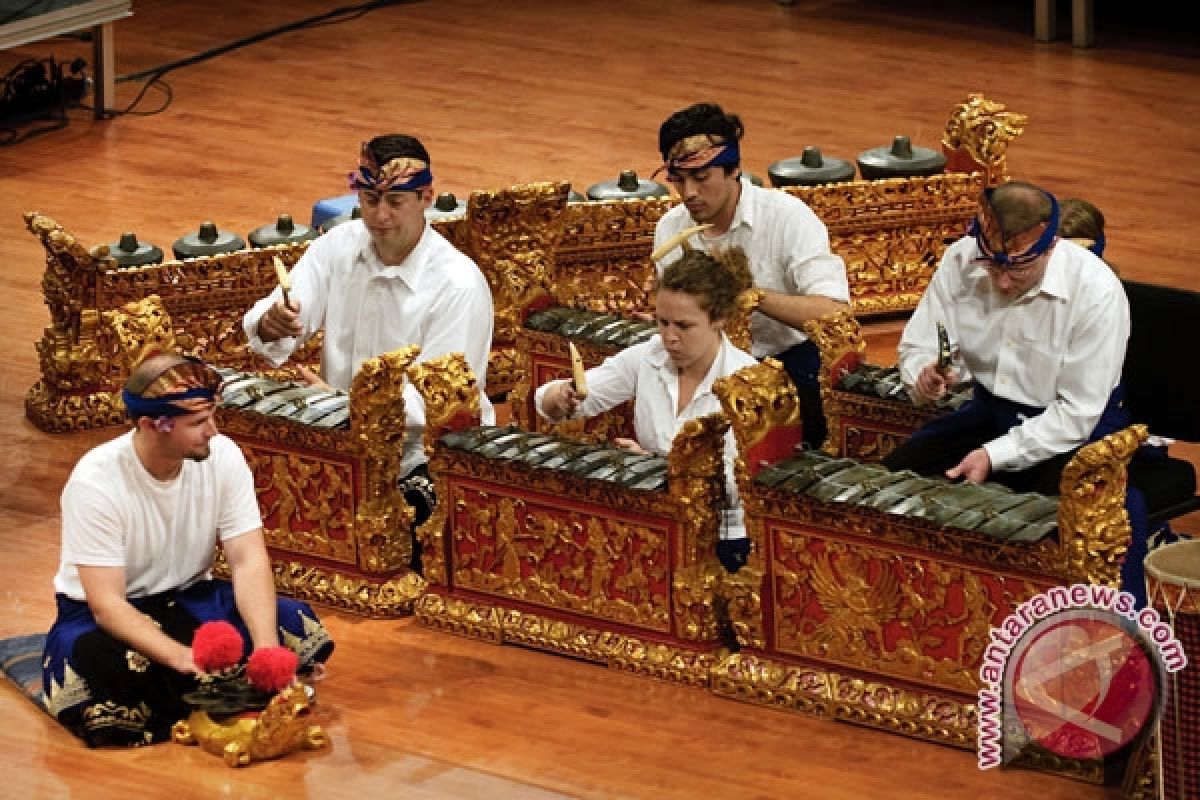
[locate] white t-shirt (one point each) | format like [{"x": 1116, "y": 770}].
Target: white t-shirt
[
  {"x": 643, "y": 372},
  {"x": 1059, "y": 346},
  {"x": 116, "y": 514},
  {"x": 788, "y": 249},
  {"x": 436, "y": 298}
]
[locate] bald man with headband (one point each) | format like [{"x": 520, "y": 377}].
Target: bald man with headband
[
  {"x": 785, "y": 242},
  {"x": 141, "y": 516},
  {"x": 1039, "y": 324}
]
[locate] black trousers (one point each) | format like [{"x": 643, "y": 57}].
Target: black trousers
[
  {"x": 934, "y": 453},
  {"x": 802, "y": 363}
]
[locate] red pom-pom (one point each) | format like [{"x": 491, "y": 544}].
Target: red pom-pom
[
  {"x": 216, "y": 645},
  {"x": 271, "y": 668}
]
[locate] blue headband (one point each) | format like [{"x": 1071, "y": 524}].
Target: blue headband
[
  {"x": 720, "y": 154},
  {"x": 365, "y": 178},
  {"x": 138, "y": 406},
  {"x": 1035, "y": 251},
  {"x": 1098, "y": 245}
]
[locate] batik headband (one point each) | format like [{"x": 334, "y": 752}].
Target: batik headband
[
  {"x": 203, "y": 385},
  {"x": 700, "y": 152},
  {"x": 403, "y": 174},
  {"x": 1033, "y": 253}
]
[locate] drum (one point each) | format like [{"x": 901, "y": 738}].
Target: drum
[{"x": 1173, "y": 588}]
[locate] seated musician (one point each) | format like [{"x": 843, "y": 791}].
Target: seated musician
[
  {"x": 786, "y": 243},
  {"x": 141, "y": 515},
  {"x": 1083, "y": 224},
  {"x": 380, "y": 283},
  {"x": 1040, "y": 324},
  {"x": 670, "y": 377}
]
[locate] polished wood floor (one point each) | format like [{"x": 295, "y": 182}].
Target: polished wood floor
[{"x": 517, "y": 91}]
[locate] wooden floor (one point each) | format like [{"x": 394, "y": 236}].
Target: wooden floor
[{"x": 518, "y": 91}]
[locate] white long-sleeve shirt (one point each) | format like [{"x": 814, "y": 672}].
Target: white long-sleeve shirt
[
  {"x": 436, "y": 298},
  {"x": 645, "y": 374},
  {"x": 1059, "y": 346},
  {"x": 788, "y": 249}
]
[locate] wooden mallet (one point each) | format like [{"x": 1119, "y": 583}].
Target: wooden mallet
[{"x": 285, "y": 280}]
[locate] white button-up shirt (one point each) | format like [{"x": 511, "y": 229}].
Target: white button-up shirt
[
  {"x": 1059, "y": 346},
  {"x": 644, "y": 372},
  {"x": 436, "y": 298},
  {"x": 788, "y": 249}
]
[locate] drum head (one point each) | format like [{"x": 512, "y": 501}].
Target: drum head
[{"x": 1177, "y": 563}]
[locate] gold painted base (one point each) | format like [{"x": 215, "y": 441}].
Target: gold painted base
[
  {"x": 812, "y": 690},
  {"x": 63, "y": 413},
  {"x": 357, "y": 594},
  {"x": 492, "y": 623}
]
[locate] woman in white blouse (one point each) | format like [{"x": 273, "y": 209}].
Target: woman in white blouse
[{"x": 670, "y": 377}]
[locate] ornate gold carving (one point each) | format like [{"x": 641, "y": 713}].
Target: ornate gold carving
[
  {"x": 1092, "y": 523},
  {"x": 513, "y": 235},
  {"x": 524, "y": 546},
  {"x": 451, "y": 401},
  {"x": 204, "y": 297},
  {"x": 595, "y": 559},
  {"x": 867, "y": 428},
  {"x": 450, "y": 393},
  {"x": 911, "y": 617},
  {"x": 756, "y": 400},
  {"x": 902, "y": 599},
  {"x": 140, "y": 326},
  {"x": 482, "y": 620},
  {"x": 941, "y": 717},
  {"x": 345, "y": 589},
  {"x": 504, "y": 371},
  {"x": 383, "y": 520},
  {"x": 892, "y": 233},
  {"x": 282, "y": 727},
  {"x": 603, "y": 260},
  {"x": 306, "y": 501},
  {"x": 742, "y": 593},
  {"x": 981, "y": 130},
  {"x": 839, "y": 340}
]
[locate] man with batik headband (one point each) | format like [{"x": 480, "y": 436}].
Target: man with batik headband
[
  {"x": 787, "y": 245},
  {"x": 141, "y": 516},
  {"x": 380, "y": 283}
]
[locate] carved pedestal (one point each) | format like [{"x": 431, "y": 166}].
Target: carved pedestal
[
  {"x": 570, "y": 561},
  {"x": 882, "y": 618}
]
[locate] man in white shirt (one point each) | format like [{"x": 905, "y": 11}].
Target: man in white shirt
[
  {"x": 788, "y": 246},
  {"x": 141, "y": 516},
  {"x": 383, "y": 282},
  {"x": 1040, "y": 324}
]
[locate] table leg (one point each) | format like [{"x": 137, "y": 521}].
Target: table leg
[
  {"x": 1043, "y": 20},
  {"x": 104, "y": 63},
  {"x": 1083, "y": 29}
]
